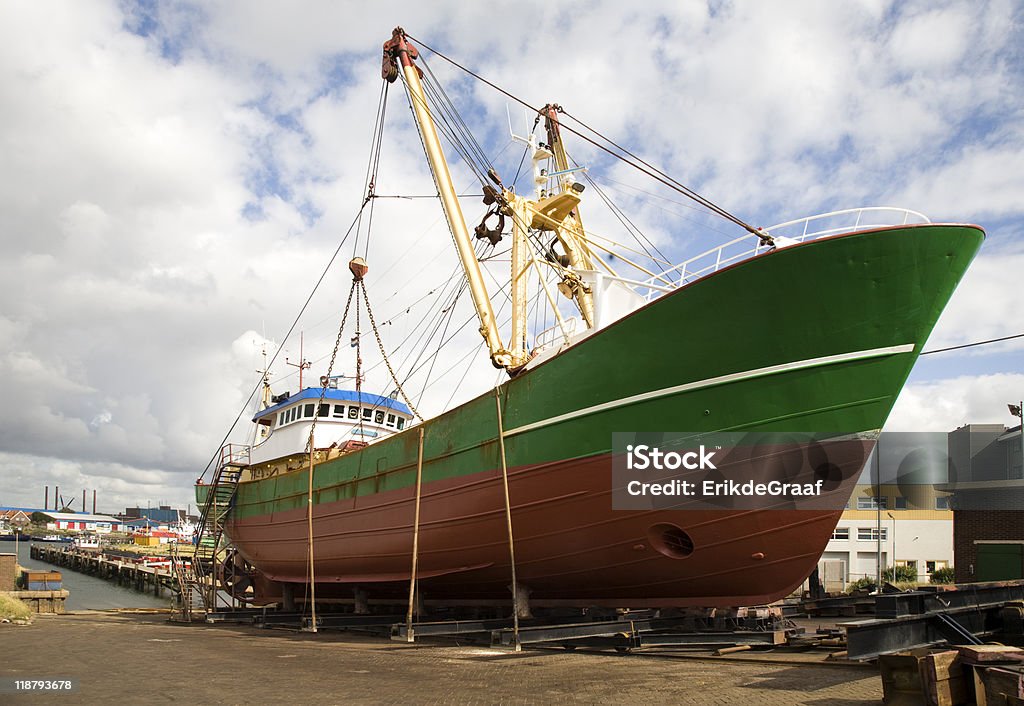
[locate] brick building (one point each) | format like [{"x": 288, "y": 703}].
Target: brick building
[{"x": 986, "y": 479}]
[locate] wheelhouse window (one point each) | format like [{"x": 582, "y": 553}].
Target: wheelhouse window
[
  {"x": 339, "y": 410},
  {"x": 353, "y": 412},
  {"x": 401, "y": 423},
  {"x": 308, "y": 410},
  {"x": 367, "y": 413},
  {"x": 325, "y": 410},
  {"x": 378, "y": 417},
  {"x": 391, "y": 420}
]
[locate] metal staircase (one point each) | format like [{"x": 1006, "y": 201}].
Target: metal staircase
[{"x": 197, "y": 576}]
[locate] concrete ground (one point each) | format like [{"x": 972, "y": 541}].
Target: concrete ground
[{"x": 134, "y": 658}]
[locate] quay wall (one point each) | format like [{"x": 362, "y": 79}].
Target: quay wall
[{"x": 145, "y": 579}]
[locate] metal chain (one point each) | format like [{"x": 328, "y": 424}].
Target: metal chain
[
  {"x": 330, "y": 367},
  {"x": 384, "y": 355}
]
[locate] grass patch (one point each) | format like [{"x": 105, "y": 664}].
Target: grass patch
[{"x": 13, "y": 609}]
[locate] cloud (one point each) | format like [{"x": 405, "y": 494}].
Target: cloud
[
  {"x": 986, "y": 305},
  {"x": 947, "y": 404},
  {"x": 176, "y": 176}
]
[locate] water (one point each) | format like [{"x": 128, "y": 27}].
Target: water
[{"x": 88, "y": 592}]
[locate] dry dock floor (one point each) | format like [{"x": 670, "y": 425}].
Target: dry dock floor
[{"x": 140, "y": 658}]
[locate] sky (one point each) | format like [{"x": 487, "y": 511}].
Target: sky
[{"x": 177, "y": 175}]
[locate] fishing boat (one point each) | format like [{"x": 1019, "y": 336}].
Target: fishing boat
[{"x": 804, "y": 327}]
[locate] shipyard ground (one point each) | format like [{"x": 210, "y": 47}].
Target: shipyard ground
[{"x": 136, "y": 657}]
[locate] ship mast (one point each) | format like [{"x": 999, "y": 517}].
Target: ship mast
[
  {"x": 559, "y": 213},
  {"x": 398, "y": 48},
  {"x": 554, "y": 211}
]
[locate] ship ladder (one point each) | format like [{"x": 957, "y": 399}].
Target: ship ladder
[
  {"x": 219, "y": 499},
  {"x": 188, "y": 586}
]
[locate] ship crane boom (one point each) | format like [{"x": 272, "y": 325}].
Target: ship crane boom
[{"x": 555, "y": 211}]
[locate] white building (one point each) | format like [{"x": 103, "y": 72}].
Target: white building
[
  {"x": 83, "y": 522},
  {"x": 868, "y": 537}
]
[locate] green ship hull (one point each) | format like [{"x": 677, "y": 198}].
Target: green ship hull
[{"x": 817, "y": 337}]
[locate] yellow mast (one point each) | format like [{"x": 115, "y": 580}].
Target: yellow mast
[
  {"x": 556, "y": 212},
  {"x": 399, "y": 50}
]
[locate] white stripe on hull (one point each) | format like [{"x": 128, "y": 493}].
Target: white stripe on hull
[{"x": 711, "y": 382}]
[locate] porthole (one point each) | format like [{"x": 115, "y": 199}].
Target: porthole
[{"x": 674, "y": 542}]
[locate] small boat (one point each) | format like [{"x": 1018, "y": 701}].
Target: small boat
[{"x": 87, "y": 542}]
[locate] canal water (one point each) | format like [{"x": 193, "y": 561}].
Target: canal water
[{"x": 88, "y": 592}]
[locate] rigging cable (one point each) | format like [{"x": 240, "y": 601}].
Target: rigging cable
[
  {"x": 369, "y": 182},
  {"x": 312, "y": 451},
  {"x": 384, "y": 355},
  {"x": 460, "y": 124},
  {"x": 976, "y": 343},
  {"x": 647, "y": 169},
  {"x": 291, "y": 330},
  {"x": 371, "y": 187},
  {"x": 626, "y": 222}
]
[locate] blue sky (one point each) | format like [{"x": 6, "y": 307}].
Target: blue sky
[{"x": 175, "y": 174}]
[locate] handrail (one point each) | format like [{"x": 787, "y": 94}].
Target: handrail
[
  {"x": 548, "y": 336},
  {"x": 741, "y": 248}
]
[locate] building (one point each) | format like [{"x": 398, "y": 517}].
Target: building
[
  {"x": 987, "y": 482},
  {"x": 162, "y": 515},
  {"x": 83, "y": 522},
  {"x": 14, "y": 517},
  {"x": 897, "y": 514}
]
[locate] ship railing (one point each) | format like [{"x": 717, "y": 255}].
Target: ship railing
[
  {"x": 235, "y": 455},
  {"x": 800, "y": 230},
  {"x": 555, "y": 335}
]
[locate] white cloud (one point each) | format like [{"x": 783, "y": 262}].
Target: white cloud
[
  {"x": 986, "y": 305},
  {"x": 166, "y": 197},
  {"x": 931, "y": 41},
  {"x": 947, "y": 404}
]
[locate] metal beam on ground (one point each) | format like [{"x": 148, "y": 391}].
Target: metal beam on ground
[{"x": 868, "y": 639}]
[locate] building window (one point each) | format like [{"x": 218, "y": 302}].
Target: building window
[
  {"x": 871, "y": 533},
  {"x": 872, "y": 503},
  {"x": 942, "y": 502},
  {"x": 841, "y": 533},
  {"x": 899, "y": 503},
  {"x": 931, "y": 566}
]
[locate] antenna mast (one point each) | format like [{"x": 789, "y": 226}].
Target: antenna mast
[{"x": 303, "y": 364}]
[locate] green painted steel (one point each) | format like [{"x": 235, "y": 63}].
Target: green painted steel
[
  {"x": 857, "y": 292},
  {"x": 1000, "y": 562}
]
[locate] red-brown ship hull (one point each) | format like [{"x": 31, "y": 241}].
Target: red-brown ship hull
[{"x": 571, "y": 546}]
